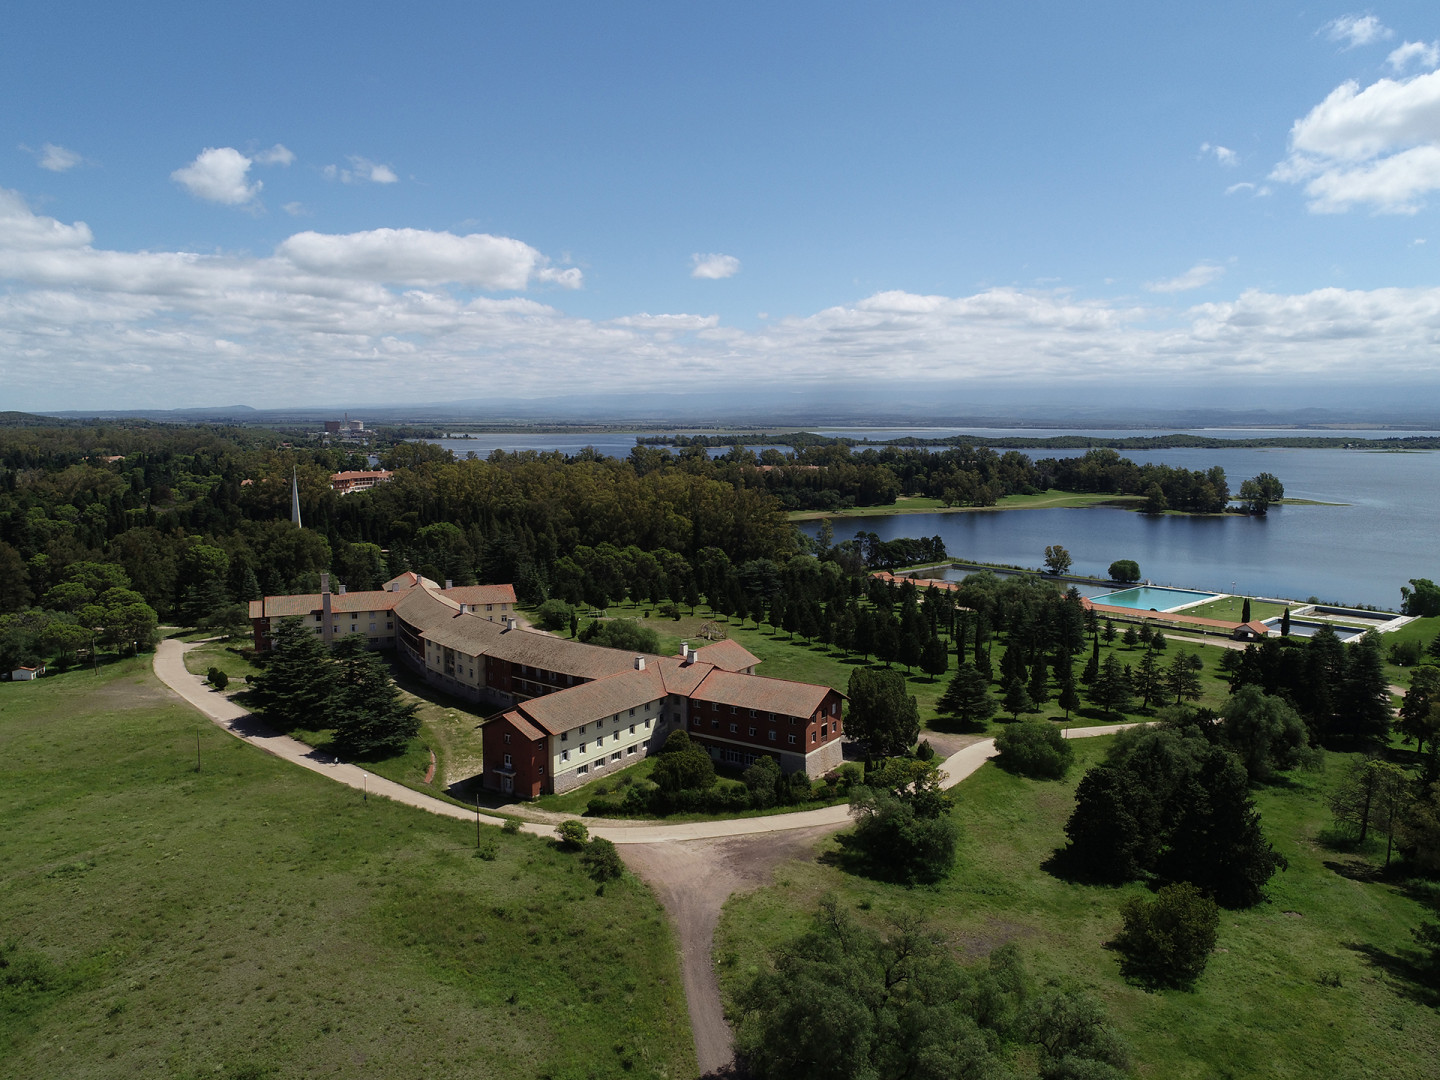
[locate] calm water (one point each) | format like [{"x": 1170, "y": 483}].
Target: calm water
[
  {"x": 1359, "y": 553},
  {"x": 1147, "y": 597}
]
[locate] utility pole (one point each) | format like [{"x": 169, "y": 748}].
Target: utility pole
[{"x": 197, "y": 749}]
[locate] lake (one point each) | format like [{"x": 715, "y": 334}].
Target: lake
[{"x": 1358, "y": 553}]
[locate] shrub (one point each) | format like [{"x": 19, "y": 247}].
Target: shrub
[
  {"x": 763, "y": 779},
  {"x": 217, "y": 678},
  {"x": 573, "y": 834},
  {"x": 1034, "y": 748},
  {"x": 487, "y": 849},
  {"x": 601, "y": 860},
  {"x": 511, "y": 826},
  {"x": 554, "y": 615},
  {"x": 1167, "y": 941}
]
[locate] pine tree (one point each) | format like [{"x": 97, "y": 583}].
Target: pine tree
[
  {"x": 1016, "y": 699},
  {"x": 1245, "y": 611},
  {"x": 1147, "y": 679},
  {"x": 1285, "y": 623},
  {"x": 1112, "y": 687},
  {"x": 934, "y": 658},
  {"x": 1069, "y": 699},
  {"x": 295, "y": 686},
  {"x": 1039, "y": 687},
  {"x": 968, "y": 697},
  {"x": 370, "y": 716},
  {"x": 1110, "y": 631},
  {"x": 1130, "y": 638},
  {"x": 1092, "y": 666}
]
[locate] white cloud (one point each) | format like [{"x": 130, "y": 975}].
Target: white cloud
[
  {"x": 1258, "y": 190},
  {"x": 1223, "y": 154},
  {"x": 218, "y": 175},
  {"x": 276, "y": 155},
  {"x": 1426, "y": 55},
  {"x": 295, "y": 209},
  {"x": 55, "y": 158},
  {"x": 1379, "y": 145},
  {"x": 1196, "y": 277},
  {"x": 1357, "y": 30},
  {"x": 363, "y": 309},
  {"x": 361, "y": 170},
  {"x": 713, "y": 267}
]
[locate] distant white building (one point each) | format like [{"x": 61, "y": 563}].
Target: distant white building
[{"x": 27, "y": 674}]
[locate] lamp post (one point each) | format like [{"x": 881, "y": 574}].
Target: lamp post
[{"x": 365, "y": 786}]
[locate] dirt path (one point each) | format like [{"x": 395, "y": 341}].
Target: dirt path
[{"x": 693, "y": 880}]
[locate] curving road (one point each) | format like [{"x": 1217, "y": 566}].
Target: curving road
[{"x": 694, "y": 867}]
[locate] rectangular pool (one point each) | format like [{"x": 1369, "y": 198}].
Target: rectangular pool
[
  {"x": 1302, "y": 628},
  {"x": 1152, "y": 598}
]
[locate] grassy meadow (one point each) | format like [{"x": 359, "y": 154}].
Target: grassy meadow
[
  {"x": 254, "y": 920},
  {"x": 1316, "y": 982}
]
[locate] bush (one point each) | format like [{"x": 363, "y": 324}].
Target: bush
[
  {"x": 683, "y": 765},
  {"x": 625, "y": 634},
  {"x": 1406, "y": 653},
  {"x": 487, "y": 849},
  {"x": 899, "y": 843},
  {"x": 511, "y": 826},
  {"x": 1034, "y": 748},
  {"x": 554, "y": 615},
  {"x": 763, "y": 780},
  {"x": 601, "y": 860},
  {"x": 217, "y": 678},
  {"x": 1168, "y": 941},
  {"x": 573, "y": 834}
]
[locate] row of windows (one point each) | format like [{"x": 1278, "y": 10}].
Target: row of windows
[{"x": 581, "y": 769}]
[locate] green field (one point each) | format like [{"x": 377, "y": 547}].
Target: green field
[
  {"x": 924, "y": 504},
  {"x": 255, "y": 920},
  {"x": 1263, "y": 1006}
]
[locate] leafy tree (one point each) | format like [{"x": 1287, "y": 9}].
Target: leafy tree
[
  {"x": 1035, "y": 748},
  {"x": 763, "y": 781},
  {"x": 1075, "y": 1040},
  {"x": 683, "y": 765},
  {"x": 1057, "y": 560},
  {"x": 903, "y": 826},
  {"x": 1420, "y": 598},
  {"x": 881, "y": 716},
  {"x": 968, "y": 697},
  {"x": 1167, "y": 941},
  {"x": 367, "y": 710},
  {"x": 1158, "y": 642},
  {"x": 298, "y": 680},
  {"x": 554, "y": 614},
  {"x": 1124, "y": 571}
]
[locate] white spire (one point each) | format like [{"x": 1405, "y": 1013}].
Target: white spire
[{"x": 294, "y": 498}]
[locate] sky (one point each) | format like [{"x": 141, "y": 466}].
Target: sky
[{"x": 280, "y": 205}]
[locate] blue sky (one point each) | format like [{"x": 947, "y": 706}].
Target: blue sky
[{"x": 288, "y": 204}]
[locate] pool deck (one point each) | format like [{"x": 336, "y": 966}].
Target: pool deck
[{"x": 1179, "y": 621}]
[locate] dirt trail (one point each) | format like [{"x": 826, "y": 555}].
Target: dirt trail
[{"x": 693, "y": 879}]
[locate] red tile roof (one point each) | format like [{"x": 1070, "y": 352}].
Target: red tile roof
[
  {"x": 762, "y": 694},
  {"x": 727, "y": 654}
]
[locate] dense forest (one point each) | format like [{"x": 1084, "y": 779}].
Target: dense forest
[{"x": 194, "y": 521}]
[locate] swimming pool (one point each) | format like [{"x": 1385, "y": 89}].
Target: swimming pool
[
  {"x": 1146, "y": 597},
  {"x": 1304, "y": 628}
]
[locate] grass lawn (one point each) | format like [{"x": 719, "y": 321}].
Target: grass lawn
[
  {"x": 1423, "y": 631},
  {"x": 222, "y": 654},
  {"x": 1231, "y": 608},
  {"x": 255, "y": 920},
  {"x": 1262, "y": 1008}
]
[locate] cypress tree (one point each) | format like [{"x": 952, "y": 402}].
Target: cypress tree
[{"x": 1245, "y": 611}]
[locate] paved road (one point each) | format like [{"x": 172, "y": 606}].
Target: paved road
[{"x": 694, "y": 868}]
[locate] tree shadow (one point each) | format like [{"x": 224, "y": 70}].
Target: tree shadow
[
  {"x": 1361, "y": 870},
  {"x": 949, "y": 725},
  {"x": 1412, "y": 977}
]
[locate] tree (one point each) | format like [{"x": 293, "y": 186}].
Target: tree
[
  {"x": 370, "y": 717},
  {"x": 1057, "y": 560},
  {"x": 1016, "y": 699},
  {"x": 1182, "y": 676},
  {"x": 934, "y": 658},
  {"x": 1075, "y": 1040},
  {"x": 881, "y": 716},
  {"x": 1158, "y": 642},
  {"x": 968, "y": 697},
  {"x": 1069, "y": 699},
  {"x": 903, "y": 827},
  {"x": 297, "y": 682},
  {"x": 683, "y": 765},
  {"x": 1112, "y": 687},
  {"x": 625, "y": 634},
  {"x": 1111, "y": 831},
  {"x": 1131, "y": 637},
  {"x": 1148, "y": 679},
  {"x": 1419, "y": 717},
  {"x": 1155, "y": 501},
  {"x": 1038, "y": 687},
  {"x": 217, "y": 678},
  {"x": 1124, "y": 571},
  {"x": 1035, "y": 748},
  {"x": 573, "y": 834},
  {"x": 1421, "y": 598},
  {"x": 1109, "y": 632},
  {"x": 554, "y": 615},
  {"x": 1264, "y": 731},
  {"x": 1167, "y": 941},
  {"x": 1245, "y": 611},
  {"x": 1285, "y": 622},
  {"x": 763, "y": 781}
]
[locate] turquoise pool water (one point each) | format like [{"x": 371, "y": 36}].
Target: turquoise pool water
[{"x": 1145, "y": 597}]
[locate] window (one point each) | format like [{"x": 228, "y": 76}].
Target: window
[
  {"x": 630, "y": 750},
  {"x": 834, "y": 709},
  {"x": 582, "y": 745},
  {"x": 354, "y": 615},
  {"x": 734, "y": 728},
  {"x": 812, "y": 737},
  {"x": 632, "y": 712},
  {"x": 734, "y": 710},
  {"x": 507, "y": 738},
  {"x": 565, "y": 754},
  {"x": 792, "y": 740},
  {"x": 834, "y": 727},
  {"x": 507, "y": 761},
  {"x": 582, "y": 729},
  {"x": 540, "y": 770},
  {"x": 714, "y": 723},
  {"x": 582, "y": 768},
  {"x": 714, "y": 706},
  {"x": 489, "y": 607},
  {"x": 600, "y": 723},
  {"x": 599, "y": 740},
  {"x": 615, "y": 756},
  {"x": 564, "y": 736},
  {"x": 752, "y": 714},
  {"x": 750, "y": 732},
  {"x": 632, "y": 729},
  {"x": 772, "y": 736}
]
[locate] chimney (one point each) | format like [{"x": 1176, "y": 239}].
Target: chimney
[
  {"x": 327, "y": 628},
  {"x": 342, "y": 590},
  {"x": 449, "y": 583},
  {"x": 639, "y": 663},
  {"x": 685, "y": 651}
]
